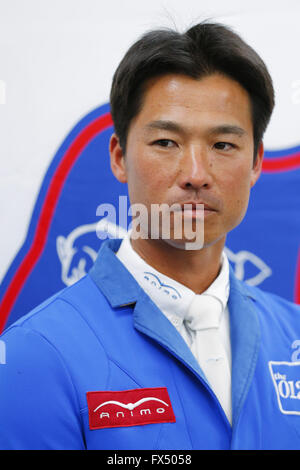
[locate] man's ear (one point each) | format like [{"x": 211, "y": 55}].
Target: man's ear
[
  {"x": 257, "y": 166},
  {"x": 117, "y": 159}
]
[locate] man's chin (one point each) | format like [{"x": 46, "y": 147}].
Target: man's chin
[{"x": 187, "y": 245}]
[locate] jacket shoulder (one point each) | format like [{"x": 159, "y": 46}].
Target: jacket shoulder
[
  {"x": 71, "y": 299},
  {"x": 270, "y": 298},
  {"x": 67, "y": 322}
]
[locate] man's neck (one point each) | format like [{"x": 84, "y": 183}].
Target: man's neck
[{"x": 195, "y": 269}]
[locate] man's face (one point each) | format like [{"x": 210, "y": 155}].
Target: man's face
[{"x": 192, "y": 142}]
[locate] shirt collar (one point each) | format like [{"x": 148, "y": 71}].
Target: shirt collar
[
  {"x": 168, "y": 294},
  {"x": 172, "y": 297}
]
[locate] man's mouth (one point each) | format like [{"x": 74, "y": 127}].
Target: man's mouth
[{"x": 196, "y": 209}]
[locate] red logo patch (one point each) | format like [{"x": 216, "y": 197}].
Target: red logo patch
[{"x": 137, "y": 407}]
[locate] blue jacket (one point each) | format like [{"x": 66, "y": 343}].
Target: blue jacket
[{"x": 105, "y": 334}]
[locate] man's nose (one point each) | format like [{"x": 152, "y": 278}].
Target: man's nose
[{"x": 195, "y": 170}]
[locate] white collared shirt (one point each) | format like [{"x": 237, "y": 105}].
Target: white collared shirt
[{"x": 172, "y": 297}]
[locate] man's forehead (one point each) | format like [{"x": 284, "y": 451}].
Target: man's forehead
[
  {"x": 223, "y": 107},
  {"x": 171, "y": 83}
]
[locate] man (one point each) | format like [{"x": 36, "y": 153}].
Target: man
[{"x": 160, "y": 346}]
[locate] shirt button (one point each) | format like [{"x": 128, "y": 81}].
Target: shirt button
[{"x": 175, "y": 321}]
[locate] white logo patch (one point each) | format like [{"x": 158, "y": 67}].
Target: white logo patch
[
  {"x": 286, "y": 380},
  {"x": 130, "y": 406}
]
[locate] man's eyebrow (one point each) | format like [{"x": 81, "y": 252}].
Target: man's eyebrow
[
  {"x": 174, "y": 127},
  {"x": 164, "y": 125},
  {"x": 228, "y": 129}
]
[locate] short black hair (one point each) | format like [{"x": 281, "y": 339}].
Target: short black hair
[{"x": 202, "y": 50}]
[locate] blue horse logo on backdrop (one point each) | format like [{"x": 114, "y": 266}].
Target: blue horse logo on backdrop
[{"x": 62, "y": 242}]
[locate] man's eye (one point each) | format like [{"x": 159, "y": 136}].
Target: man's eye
[
  {"x": 164, "y": 143},
  {"x": 224, "y": 146}
]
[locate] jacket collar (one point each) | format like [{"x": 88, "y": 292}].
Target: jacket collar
[
  {"x": 112, "y": 278},
  {"x": 120, "y": 289}
]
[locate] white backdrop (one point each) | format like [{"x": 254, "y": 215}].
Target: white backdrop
[{"x": 57, "y": 58}]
